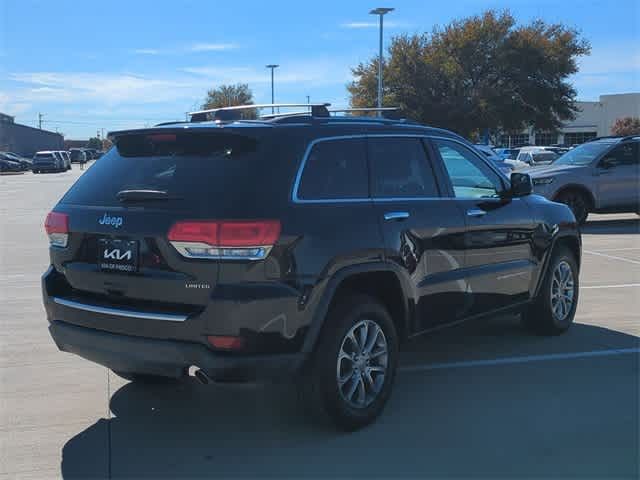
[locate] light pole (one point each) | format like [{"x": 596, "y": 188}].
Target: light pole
[
  {"x": 272, "y": 67},
  {"x": 381, "y": 12}
]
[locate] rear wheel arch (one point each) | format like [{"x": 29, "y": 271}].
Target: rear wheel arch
[{"x": 379, "y": 281}]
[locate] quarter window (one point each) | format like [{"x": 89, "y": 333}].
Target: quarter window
[
  {"x": 400, "y": 168},
  {"x": 468, "y": 178},
  {"x": 335, "y": 169}
]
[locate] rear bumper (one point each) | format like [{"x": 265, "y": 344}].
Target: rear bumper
[
  {"x": 170, "y": 358},
  {"x": 46, "y": 167}
]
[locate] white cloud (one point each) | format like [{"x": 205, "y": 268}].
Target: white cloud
[
  {"x": 193, "y": 48},
  {"x": 146, "y": 51},
  {"x": 311, "y": 73},
  {"x": 11, "y": 106},
  {"x": 109, "y": 88},
  {"x": 611, "y": 59},
  {"x": 212, "y": 47},
  {"x": 610, "y": 68},
  {"x": 387, "y": 24}
]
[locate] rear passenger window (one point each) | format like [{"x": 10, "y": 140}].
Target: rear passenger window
[
  {"x": 400, "y": 168},
  {"x": 335, "y": 169}
]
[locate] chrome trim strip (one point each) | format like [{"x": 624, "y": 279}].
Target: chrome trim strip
[
  {"x": 476, "y": 212},
  {"x": 119, "y": 312},
  {"x": 396, "y": 215},
  {"x": 183, "y": 249}
]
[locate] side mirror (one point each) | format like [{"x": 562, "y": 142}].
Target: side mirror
[{"x": 521, "y": 184}]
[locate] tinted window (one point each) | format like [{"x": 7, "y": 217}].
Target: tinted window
[
  {"x": 335, "y": 169},
  {"x": 625, "y": 154},
  {"x": 469, "y": 178},
  {"x": 197, "y": 170},
  {"x": 544, "y": 157},
  {"x": 42, "y": 156},
  {"x": 400, "y": 168}
]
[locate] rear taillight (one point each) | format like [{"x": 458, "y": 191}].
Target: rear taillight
[
  {"x": 226, "y": 343},
  {"x": 57, "y": 228},
  {"x": 225, "y": 239}
]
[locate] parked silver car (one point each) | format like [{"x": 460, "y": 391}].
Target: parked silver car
[{"x": 601, "y": 176}]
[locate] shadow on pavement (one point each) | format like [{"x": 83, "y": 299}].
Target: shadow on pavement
[
  {"x": 559, "y": 418},
  {"x": 608, "y": 227}
]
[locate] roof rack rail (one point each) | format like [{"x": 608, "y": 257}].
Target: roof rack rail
[
  {"x": 228, "y": 114},
  {"x": 270, "y": 116},
  {"x": 363, "y": 109},
  {"x": 385, "y": 112}
]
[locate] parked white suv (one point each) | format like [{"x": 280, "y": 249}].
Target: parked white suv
[{"x": 602, "y": 176}]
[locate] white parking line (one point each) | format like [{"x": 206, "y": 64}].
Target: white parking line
[
  {"x": 521, "y": 359},
  {"x": 619, "y": 249},
  {"x": 612, "y": 257},
  {"x": 622, "y": 285}
]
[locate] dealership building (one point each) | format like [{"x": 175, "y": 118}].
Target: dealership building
[
  {"x": 25, "y": 140},
  {"x": 594, "y": 119}
]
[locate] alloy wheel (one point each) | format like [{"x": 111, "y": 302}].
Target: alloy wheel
[
  {"x": 562, "y": 291},
  {"x": 362, "y": 364}
]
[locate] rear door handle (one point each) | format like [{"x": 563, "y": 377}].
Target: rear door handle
[
  {"x": 475, "y": 212},
  {"x": 396, "y": 215}
]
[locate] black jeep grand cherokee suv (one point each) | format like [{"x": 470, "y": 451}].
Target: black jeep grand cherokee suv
[{"x": 304, "y": 247}]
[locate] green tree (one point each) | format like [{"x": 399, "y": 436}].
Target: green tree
[
  {"x": 229, "y": 96},
  {"x": 479, "y": 73},
  {"x": 94, "y": 142},
  {"x": 626, "y": 126}
]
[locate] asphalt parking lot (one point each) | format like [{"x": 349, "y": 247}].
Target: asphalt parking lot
[{"x": 482, "y": 400}]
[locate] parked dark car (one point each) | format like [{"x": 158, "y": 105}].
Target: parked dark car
[
  {"x": 48, "y": 161},
  {"x": 77, "y": 155},
  {"x": 7, "y": 166},
  {"x": 24, "y": 163},
  {"x": 305, "y": 247}
]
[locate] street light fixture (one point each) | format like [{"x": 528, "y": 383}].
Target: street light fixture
[
  {"x": 381, "y": 12},
  {"x": 272, "y": 67}
]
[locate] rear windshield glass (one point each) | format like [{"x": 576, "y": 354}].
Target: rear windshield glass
[
  {"x": 191, "y": 168},
  {"x": 544, "y": 157},
  {"x": 44, "y": 155}
]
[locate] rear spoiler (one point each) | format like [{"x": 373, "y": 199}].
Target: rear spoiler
[{"x": 180, "y": 128}]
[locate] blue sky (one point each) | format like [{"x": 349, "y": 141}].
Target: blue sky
[{"x": 119, "y": 64}]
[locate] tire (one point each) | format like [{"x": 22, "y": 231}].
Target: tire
[
  {"x": 144, "y": 378},
  {"x": 577, "y": 202},
  {"x": 545, "y": 316},
  {"x": 369, "y": 378}
]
